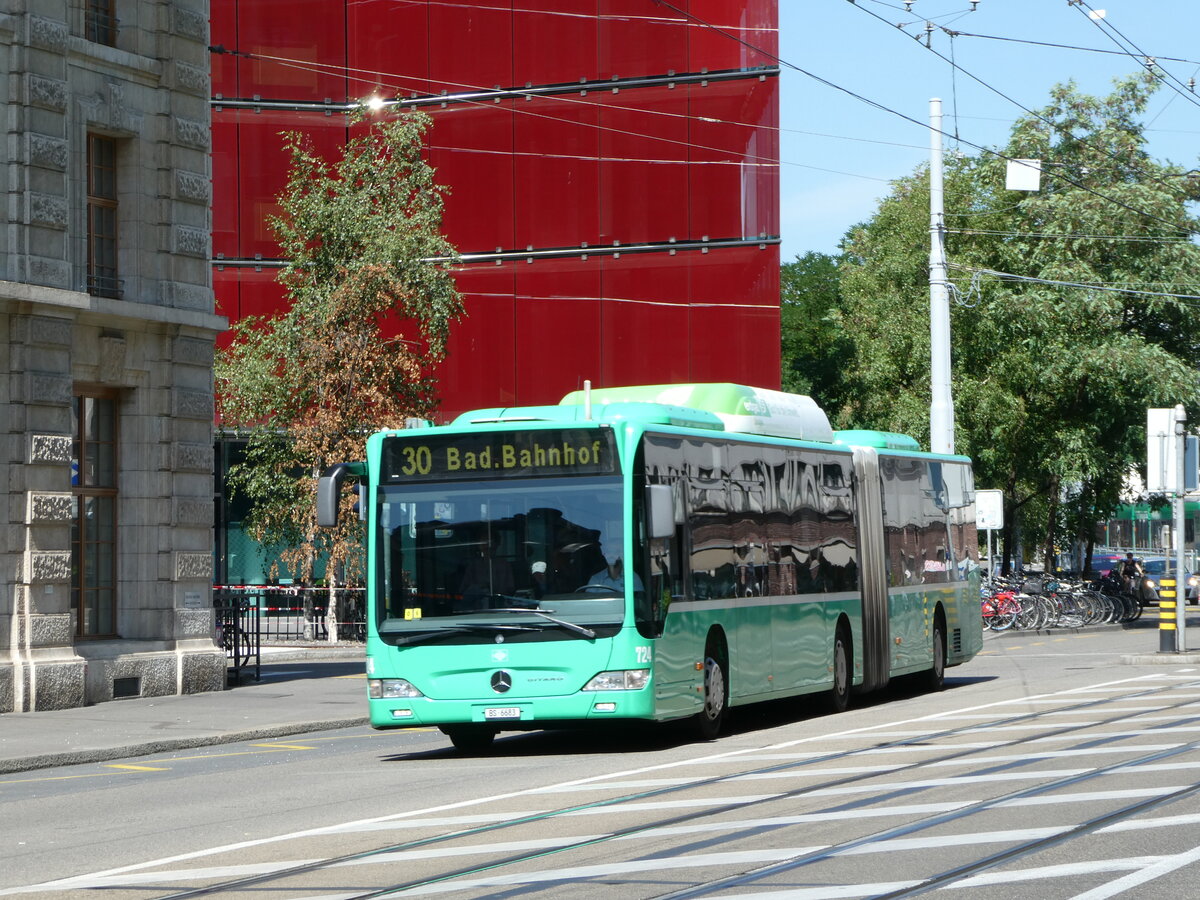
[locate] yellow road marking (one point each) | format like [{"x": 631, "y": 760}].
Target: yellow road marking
[
  {"x": 137, "y": 768},
  {"x": 54, "y": 778},
  {"x": 178, "y": 759}
]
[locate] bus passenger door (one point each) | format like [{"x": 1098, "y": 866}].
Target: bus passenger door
[{"x": 662, "y": 574}]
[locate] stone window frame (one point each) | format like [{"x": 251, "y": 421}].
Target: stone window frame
[
  {"x": 103, "y": 217},
  {"x": 100, "y": 21},
  {"x": 94, "y": 489}
]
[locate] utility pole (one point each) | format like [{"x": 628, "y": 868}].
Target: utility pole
[
  {"x": 941, "y": 409},
  {"x": 1180, "y": 438}
]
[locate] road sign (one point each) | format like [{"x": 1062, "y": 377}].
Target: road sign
[{"x": 989, "y": 510}]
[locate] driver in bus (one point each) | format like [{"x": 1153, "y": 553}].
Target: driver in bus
[
  {"x": 486, "y": 574},
  {"x": 612, "y": 576}
]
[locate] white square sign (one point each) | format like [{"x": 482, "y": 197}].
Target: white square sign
[{"x": 989, "y": 510}]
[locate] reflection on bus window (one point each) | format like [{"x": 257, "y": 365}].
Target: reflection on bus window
[
  {"x": 761, "y": 521},
  {"x": 467, "y": 547}
]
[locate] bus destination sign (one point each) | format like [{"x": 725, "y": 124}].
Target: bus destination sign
[{"x": 536, "y": 453}]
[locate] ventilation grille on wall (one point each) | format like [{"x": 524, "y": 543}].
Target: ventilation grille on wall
[{"x": 127, "y": 687}]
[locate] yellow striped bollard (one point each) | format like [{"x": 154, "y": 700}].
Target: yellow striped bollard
[{"x": 1167, "y": 619}]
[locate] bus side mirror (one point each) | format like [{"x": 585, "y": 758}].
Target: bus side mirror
[
  {"x": 329, "y": 492},
  {"x": 660, "y": 510}
]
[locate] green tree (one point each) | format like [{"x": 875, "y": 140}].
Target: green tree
[
  {"x": 813, "y": 348},
  {"x": 1063, "y": 332},
  {"x": 370, "y": 299}
]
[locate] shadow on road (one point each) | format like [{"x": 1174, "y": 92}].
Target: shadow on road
[
  {"x": 637, "y": 737},
  {"x": 299, "y": 670}
]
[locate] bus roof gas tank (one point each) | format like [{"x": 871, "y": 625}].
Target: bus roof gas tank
[
  {"x": 881, "y": 440},
  {"x": 748, "y": 410}
]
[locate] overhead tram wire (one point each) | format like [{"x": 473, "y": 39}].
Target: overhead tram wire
[
  {"x": 1141, "y": 57},
  {"x": 1057, "y": 46},
  {"x": 330, "y": 69},
  {"x": 320, "y": 68},
  {"x": 1089, "y": 286},
  {"x": 1057, "y": 128},
  {"x": 1134, "y": 238},
  {"x": 1188, "y": 228}
]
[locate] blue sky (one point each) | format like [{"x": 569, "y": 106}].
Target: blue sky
[{"x": 838, "y": 153}]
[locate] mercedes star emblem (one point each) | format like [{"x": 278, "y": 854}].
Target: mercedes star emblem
[{"x": 501, "y": 682}]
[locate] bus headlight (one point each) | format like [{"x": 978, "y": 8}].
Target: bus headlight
[
  {"x": 390, "y": 689},
  {"x": 622, "y": 680}
]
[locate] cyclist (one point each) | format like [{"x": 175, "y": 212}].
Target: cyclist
[{"x": 1132, "y": 573}]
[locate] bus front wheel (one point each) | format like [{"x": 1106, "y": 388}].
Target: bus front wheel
[
  {"x": 711, "y": 718},
  {"x": 471, "y": 740}
]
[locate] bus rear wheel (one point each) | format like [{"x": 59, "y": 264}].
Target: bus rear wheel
[
  {"x": 471, "y": 740},
  {"x": 935, "y": 678},
  {"x": 839, "y": 694}
]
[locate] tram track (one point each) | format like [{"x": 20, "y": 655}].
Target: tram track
[
  {"x": 960, "y": 872},
  {"x": 491, "y": 866}
]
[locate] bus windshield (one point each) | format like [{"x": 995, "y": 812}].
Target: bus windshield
[{"x": 526, "y": 558}]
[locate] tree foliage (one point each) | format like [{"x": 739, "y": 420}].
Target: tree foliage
[
  {"x": 1056, "y": 359},
  {"x": 370, "y": 299},
  {"x": 813, "y": 346}
]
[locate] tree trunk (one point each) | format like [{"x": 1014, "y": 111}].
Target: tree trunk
[
  {"x": 1049, "y": 554},
  {"x": 331, "y": 610},
  {"x": 1018, "y": 547},
  {"x": 306, "y": 595}
]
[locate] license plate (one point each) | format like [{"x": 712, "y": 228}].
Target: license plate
[{"x": 502, "y": 712}]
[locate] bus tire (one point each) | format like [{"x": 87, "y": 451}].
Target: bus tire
[
  {"x": 470, "y": 740},
  {"x": 839, "y": 693},
  {"x": 935, "y": 678},
  {"x": 711, "y": 718}
]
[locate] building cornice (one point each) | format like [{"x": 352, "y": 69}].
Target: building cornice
[{"x": 80, "y": 303}]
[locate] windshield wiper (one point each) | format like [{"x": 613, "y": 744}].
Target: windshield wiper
[
  {"x": 562, "y": 623},
  {"x": 450, "y": 630}
]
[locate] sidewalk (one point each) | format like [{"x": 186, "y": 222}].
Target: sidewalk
[
  {"x": 301, "y": 690},
  {"x": 1148, "y": 623}
]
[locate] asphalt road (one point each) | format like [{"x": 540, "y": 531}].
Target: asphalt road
[{"x": 1046, "y": 769}]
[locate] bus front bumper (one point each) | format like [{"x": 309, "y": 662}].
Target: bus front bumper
[{"x": 513, "y": 713}]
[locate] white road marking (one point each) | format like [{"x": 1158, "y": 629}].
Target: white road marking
[
  {"x": 989, "y": 778},
  {"x": 630, "y": 867},
  {"x": 758, "y": 752},
  {"x": 403, "y": 856},
  {"x": 1164, "y": 866},
  {"x": 700, "y": 803},
  {"x": 821, "y": 772},
  {"x": 933, "y": 842}
]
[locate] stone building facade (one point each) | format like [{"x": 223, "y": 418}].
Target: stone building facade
[{"x": 106, "y": 348}]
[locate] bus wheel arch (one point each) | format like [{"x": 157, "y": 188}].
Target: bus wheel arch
[
  {"x": 711, "y": 718},
  {"x": 935, "y": 677},
  {"x": 843, "y": 666}
]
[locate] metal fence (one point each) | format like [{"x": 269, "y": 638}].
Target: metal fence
[
  {"x": 291, "y": 613},
  {"x": 238, "y": 631}
]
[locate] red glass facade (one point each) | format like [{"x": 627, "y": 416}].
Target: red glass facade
[{"x": 628, "y": 202}]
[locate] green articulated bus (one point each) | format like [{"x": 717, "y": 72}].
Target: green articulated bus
[{"x": 653, "y": 553}]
